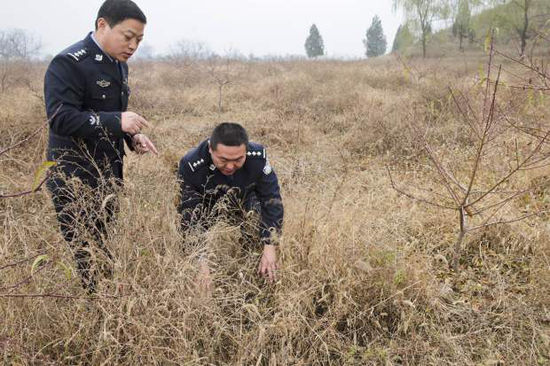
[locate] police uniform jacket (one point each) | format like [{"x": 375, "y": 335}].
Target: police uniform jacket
[
  {"x": 85, "y": 93},
  {"x": 202, "y": 185}
]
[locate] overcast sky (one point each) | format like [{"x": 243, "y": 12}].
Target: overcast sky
[{"x": 259, "y": 27}]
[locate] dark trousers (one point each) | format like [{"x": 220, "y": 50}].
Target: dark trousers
[{"x": 83, "y": 214}]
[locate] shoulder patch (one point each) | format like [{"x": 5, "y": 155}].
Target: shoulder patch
[
  {"x": 257, "y": 154},
  {"x": 196, "y": 165},
  {"x": 78, "y": 55}
]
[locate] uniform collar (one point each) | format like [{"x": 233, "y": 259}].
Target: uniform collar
[
  {"x": 204, "y": 157},
  {"x": 98, "y": 53},
  {"x": 112, "y": 68}
]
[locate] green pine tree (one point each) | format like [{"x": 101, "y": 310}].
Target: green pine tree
[
  {"x": 314, "y": 43},
  {"x": 375, "y": 43}
]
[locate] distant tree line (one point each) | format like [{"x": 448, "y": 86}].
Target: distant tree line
[
  {"x": 17, "y": 49},
  {"x": 523, "y": 20},
  {"x": 518, "y": 21}
]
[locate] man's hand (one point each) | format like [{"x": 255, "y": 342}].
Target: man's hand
[
  {"x": 268, "y": 263},
  {"x": 143, "y": 145},
  {"x": 132, "y": 123}
]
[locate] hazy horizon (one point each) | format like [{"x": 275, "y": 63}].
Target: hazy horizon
[{"x": 249, "y": 27}]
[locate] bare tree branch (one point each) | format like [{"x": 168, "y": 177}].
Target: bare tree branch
[
  {"x": 30, "y": 191},
  {"x": 510, "y": 221},
  {"x": 2, "y": 152},
  {"x": 419, "y": 199},
  {"x": 21, "y": 261}
]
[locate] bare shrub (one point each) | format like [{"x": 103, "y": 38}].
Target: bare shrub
[{"x": 488, "y": 125}]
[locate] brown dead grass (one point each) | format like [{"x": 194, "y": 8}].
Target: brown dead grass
[{"x": 366, "y": 276}]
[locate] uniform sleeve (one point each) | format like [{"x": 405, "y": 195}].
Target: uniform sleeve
[
  {"x": 129, "y": 141},
  {"x": 272, "y": 211},
  {"x": 190, "y": 203},
  {"x": 64, "y": 85}
]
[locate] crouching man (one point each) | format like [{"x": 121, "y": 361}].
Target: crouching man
[{"x": 229, "y": 169}]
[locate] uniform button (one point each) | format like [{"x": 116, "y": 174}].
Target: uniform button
[
  {"x": 121, "y": 93},
  {"x": 103, "y": 96}
]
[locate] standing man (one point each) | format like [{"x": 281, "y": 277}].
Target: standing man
[
  {"x": 86, "y": 93},
  {"x": 229, "y": 168}
]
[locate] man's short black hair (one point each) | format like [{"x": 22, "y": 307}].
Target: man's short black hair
[
  {"x": 228, "y": 134},
  {"x": 117, "y": 11}
]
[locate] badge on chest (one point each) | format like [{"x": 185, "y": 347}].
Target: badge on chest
[{"x": 103, "y": 83}]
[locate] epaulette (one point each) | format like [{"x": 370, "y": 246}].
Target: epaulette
[
  {"x": 258, "y": 154},
  {"x": 197, "y": 164},
  {"x": 79, "y": 55}
]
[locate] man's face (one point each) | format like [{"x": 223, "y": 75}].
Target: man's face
[
  {"x": 228, "y": 159},
  {"x": 122, "y": 40}
]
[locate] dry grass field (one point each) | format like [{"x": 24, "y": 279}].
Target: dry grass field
[{"x": 366, "y": 273}]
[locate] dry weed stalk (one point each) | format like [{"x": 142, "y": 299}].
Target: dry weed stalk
[
  {"x": 42, "y": 174},
  {"x": 479, "y": 206},
  {"x": 47, "y": 261}
]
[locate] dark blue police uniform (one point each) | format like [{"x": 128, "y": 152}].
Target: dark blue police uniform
[
  {"x": 85, "y": 93},
  {"x": 91, "y": 91},
  {"x": 203, "y": 185}
]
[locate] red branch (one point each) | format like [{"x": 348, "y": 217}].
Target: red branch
[
  {"x": 21, "y": 261},
  {"x": 13, "y": 195}
]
